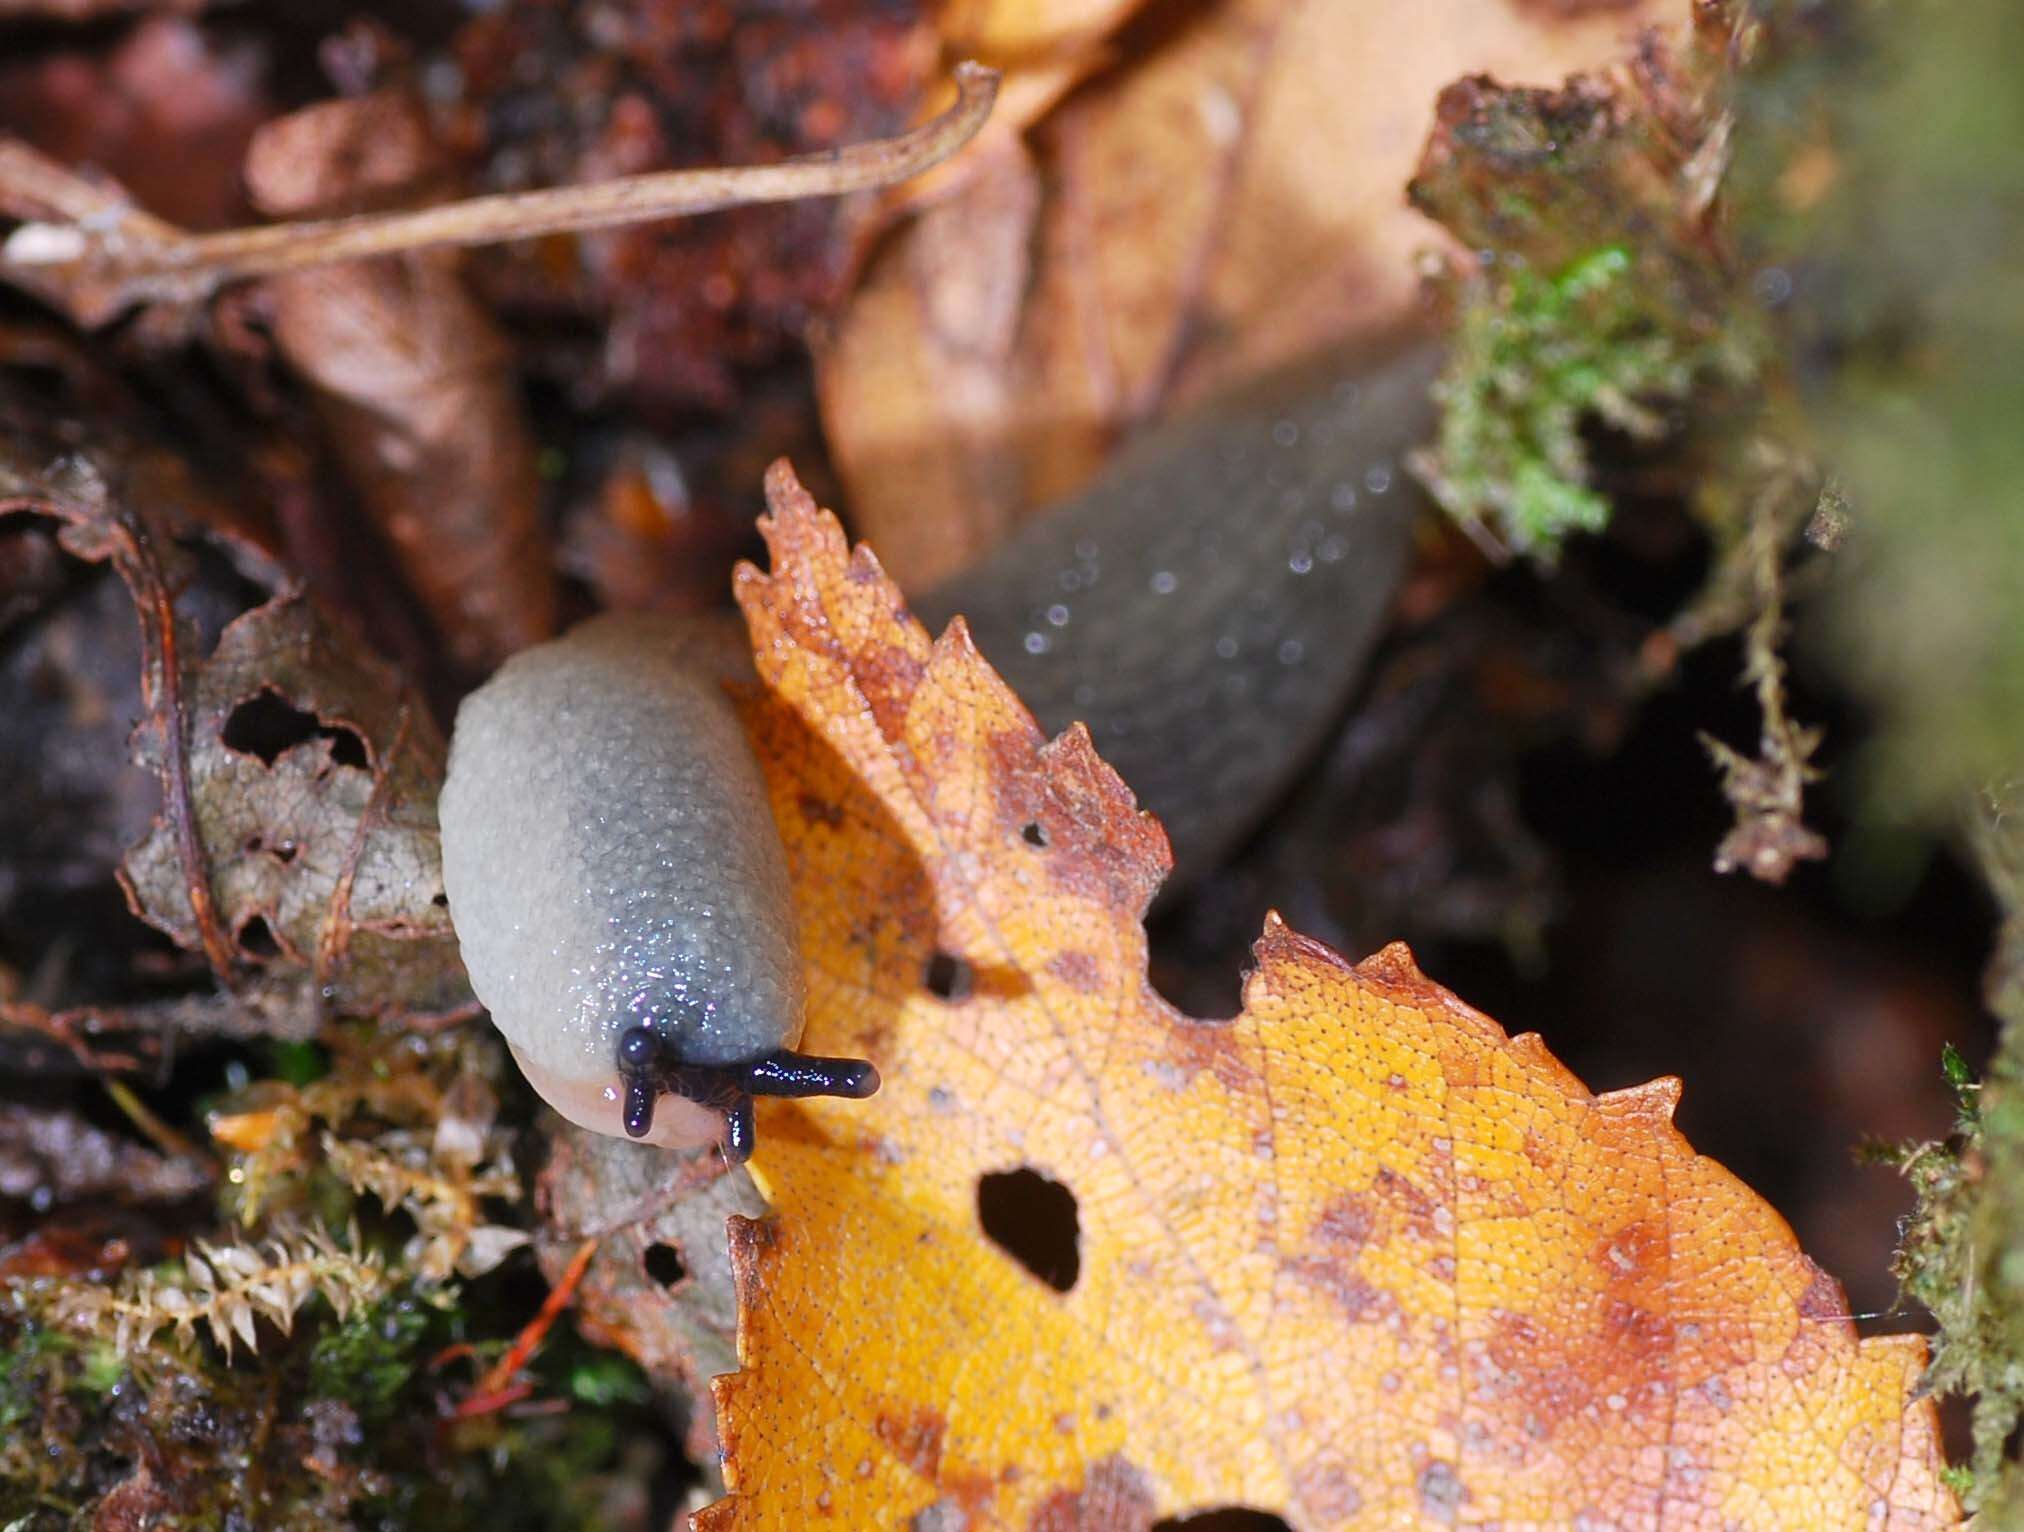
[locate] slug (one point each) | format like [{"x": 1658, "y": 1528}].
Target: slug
[
  {"x": 1206, "y": 606},
  {"x": 614, "y": 875}
]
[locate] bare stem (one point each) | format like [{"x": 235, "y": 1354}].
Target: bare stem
[{"x": 109, "y": 256}]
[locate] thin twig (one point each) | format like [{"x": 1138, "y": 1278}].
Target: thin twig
[
  {"x": 72, "y": 1031},
  {"x": 135, "y": 557},
  {"x": 501, "y": 1385},
  {"x": 108, "y": 255},
  {"x": 165, "y": 1138}
]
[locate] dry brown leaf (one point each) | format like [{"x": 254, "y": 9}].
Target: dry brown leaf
[
  {"x": 1356, "y": 1258},
  {"x": 659, "y": 1288},
  {"x": 412, "y": 378},
  {"x": 311, "y": 774},
  {"x": 1228, "y": 198}
]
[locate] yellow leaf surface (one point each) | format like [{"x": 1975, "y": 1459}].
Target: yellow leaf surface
[{"x": 1355, "y": 1258}]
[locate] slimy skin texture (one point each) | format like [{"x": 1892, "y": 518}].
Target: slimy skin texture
[
  {"x": 613, "y": 869},
  {"x": 613, "y": 872},
  {"x": 1206, "y": 606}
]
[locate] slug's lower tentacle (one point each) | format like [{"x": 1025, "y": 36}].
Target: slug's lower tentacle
[{"x": 738, "y": 1131}]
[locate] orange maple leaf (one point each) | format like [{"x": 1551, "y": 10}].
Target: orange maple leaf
[{"x": 1356, "y": 1257}]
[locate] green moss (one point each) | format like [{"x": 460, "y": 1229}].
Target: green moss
[
  {"x": 1535, "y": 357},
  {"x": 369, "y": 1359},
  {"x": 604, "y": 1377},
  {"x": 1956, "y": 1259},
  {"x": 1907, "y": 346}
]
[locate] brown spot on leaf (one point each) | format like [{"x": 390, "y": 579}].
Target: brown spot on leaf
[
  {"x": 1212, "y": 1047},
  {"x": 1420, "y": 1211},
  {"x": 914, "y": 1437},
  {"x": 1326, "y": 1489},
  {"x": 1327, "y": 1264},
  {"x": 1114, "y": 1497},
  {"x": 1823, "y": 1299},
  {"x": 1634, "y": 1253},
  {"x": 1344, "y": 1225},
  {"x": 1099, "y": 848},
  {"x": 1361, "y": 1301},
  {"x": 819, "y": 811},
  {"x": 1441, "y": 1493},
  {"x": 1078, "y": 970}
]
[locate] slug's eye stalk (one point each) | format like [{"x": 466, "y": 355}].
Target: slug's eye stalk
[{"x": 647, "y": 1072}]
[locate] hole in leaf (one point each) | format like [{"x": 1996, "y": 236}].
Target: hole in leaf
[
  {"x": 256, "y": 938},
  {"x": 1224, "y": 1518},
  {"x": 1033, "y": 1219},
  {"x": 1035, "y": 834},
  {"x": 266, "y": 724},
  {"x": 665, "y": 1265},
  {"x": 949, "y": 978}
]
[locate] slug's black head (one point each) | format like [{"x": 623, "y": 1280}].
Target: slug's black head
[{"x": 648, "y": 1067}]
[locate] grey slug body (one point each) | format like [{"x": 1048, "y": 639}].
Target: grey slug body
[
  {"x": 1207, "y": 604},
  {"x": 616, "y": 881},
  {"x": 613, "y": 870}
]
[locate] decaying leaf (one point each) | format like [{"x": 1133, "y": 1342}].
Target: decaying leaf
[
  {"x": 659, "y": 1288},
  {"x": 1356, "y": 1258},
  {"x": 295, "y": 843},
  {"x": 1226, "y": 199},
  {"x": 312, "y": 776}
]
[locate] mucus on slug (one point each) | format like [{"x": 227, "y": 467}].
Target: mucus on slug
[{"x": 1205, "y": 607}]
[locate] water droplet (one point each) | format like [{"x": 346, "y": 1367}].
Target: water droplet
[
  {"x": 1773, "y": 285},
  {"x": 1291, "y": 651},
  {"x": 1163, "y": 583},
  {"x": 1377, "y": 478},
  {"x": 1036, "y": 643},
  {"x": 1057, "y": 614},
  {"x": 1343, "y": 496},
  {"x": 1334, "y": 549},
  {"x": 1285, "y": 433},
  {"x": 1301, "y": 562},
  {"x": 1070, "y": 580},
  {"x": 1226, "y": 647}
]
